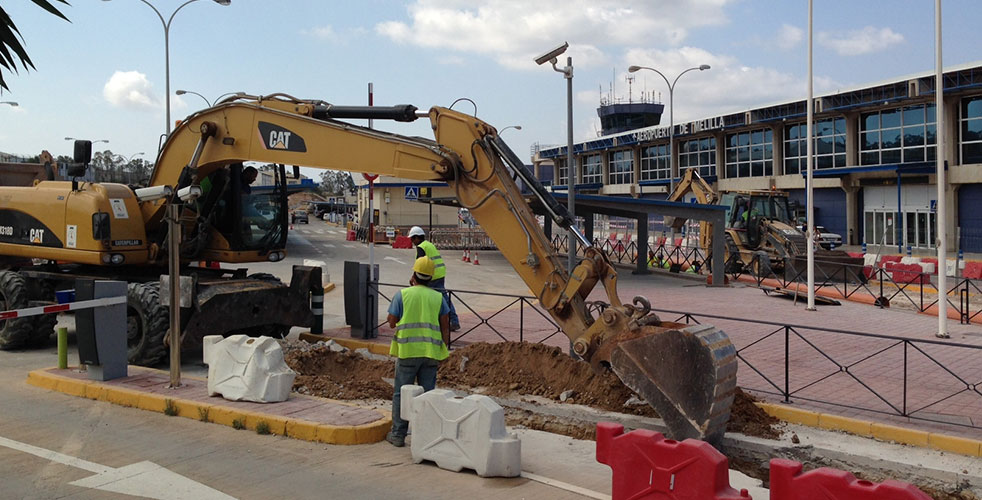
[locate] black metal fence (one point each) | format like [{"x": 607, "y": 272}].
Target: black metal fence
[
  {"x": 883, "y": 374},
  {"x": 926, "y": 380}
]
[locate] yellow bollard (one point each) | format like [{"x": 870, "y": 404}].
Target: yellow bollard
[{"x": 62, "y": 348}]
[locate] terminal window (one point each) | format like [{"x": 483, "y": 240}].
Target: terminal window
[
  {"x": 655, "y": 163},
  {"x": 971, "y": 130},
  {"x": 829, "y": 146},
  {"x": 898, "y": 135},
  {"x": 563, "y": 170},
  {"x": 750, "y": 154},
  {"x": 592, "y": 171},
  {"x": 699, "y": 154},
  {"x": 621, "y": 167}
]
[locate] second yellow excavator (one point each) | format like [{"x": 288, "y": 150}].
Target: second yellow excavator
[{"x": 69, "y": 229}]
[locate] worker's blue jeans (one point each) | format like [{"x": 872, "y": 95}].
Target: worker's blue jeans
[
  {"x": 421, "y": 371},
  {"x": 440, "y": 286}
]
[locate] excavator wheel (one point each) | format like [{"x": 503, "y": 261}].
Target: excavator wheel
[
  {"x": 43, "y": 291},
  {"x": 687, "y": 373},
  {"x": 731, "y": 259},
  {"x": 762, "y": 264},
  {"x": 17, "y": 332},
  {"x": 147, "y": 323}
]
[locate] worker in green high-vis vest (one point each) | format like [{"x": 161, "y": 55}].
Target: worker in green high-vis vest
[
  {"x": 426, "y": 248},
  {"x": 420, "y": 316}
]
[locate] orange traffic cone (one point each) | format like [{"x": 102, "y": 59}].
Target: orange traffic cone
[
  {"x": 463, "y": 256},
  {"x": 476, "y": 263},
  {"x": 467, "y": 255}
]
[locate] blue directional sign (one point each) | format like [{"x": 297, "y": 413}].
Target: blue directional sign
[{"x": 412, "y": 193}]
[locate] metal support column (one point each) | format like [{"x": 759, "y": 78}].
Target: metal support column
[{"x": 642, "y": 263}]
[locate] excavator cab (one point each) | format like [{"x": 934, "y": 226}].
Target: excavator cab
[{"x": 248, "y": 217}]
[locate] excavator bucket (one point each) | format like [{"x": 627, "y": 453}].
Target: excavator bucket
[{"x": 686, "y": 373}]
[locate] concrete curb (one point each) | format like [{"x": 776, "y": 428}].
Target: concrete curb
[
  {"x": 295, "y": 428},
  {"x": 876, "y": 430}
]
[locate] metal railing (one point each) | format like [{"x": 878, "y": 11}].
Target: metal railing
[
  {"x": 911, "y": 381},
  {"x": 530, "y": 316},
  {"x": 886, "y": 287}
]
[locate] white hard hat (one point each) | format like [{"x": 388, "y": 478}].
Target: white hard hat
[{"x": 416, "y": 231}]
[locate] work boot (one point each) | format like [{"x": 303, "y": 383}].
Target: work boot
[{"x": 397, "y": 441}]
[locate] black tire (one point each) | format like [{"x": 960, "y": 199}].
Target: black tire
[
  {"x": 14, "y": 333},
  {"x": 763, "y": 265},
  {"x": 732, "y": 261},
  {"x": 271, "y": 330},
  {"x": 147, "y": 323},
  {"x": 44, "y": 324}
]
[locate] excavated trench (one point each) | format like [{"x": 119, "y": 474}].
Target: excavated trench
[{"x": 535, "y": 382}]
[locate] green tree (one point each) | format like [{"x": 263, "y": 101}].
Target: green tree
[
  {"x": 335, "y": 182},
  {"x": 11, "y": 48}
]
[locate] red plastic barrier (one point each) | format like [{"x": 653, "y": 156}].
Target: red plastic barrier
[
  {"x": 868, "y": 271},
  {"x": 351, "y": 235},
  {"x": 661, "y": 241},
  {"x": 889, "y": 258},
  {"x": 402, "y": 242},
  {"x": 973, "y": 270},
  {"x": 788, "y": 483},
  {"x": 647, "y": 466},
  {"x": 931, "y": 260},
  {"x": 856, "y": 254}
]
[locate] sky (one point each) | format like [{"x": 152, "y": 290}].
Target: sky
[{"x": 101, "y": 76}]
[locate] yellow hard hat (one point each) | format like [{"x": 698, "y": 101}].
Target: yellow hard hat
[{"x": 424, "y": 268}]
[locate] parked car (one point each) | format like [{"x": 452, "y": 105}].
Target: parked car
[
  {"x": 826, "y": 239},
  {"x": 299, "y": 216}
]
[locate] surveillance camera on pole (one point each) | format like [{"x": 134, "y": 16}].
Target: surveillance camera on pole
[{"x": 552, "y": 55}]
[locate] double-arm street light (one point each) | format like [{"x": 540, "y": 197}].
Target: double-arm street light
[
  {"x": 166, "y": 25},
  {"x": 210, "y": 103},
  {"x": 516, "y": 127},
  {"x": 93, "y": 142},
  {"x": 671, "y": 115}
]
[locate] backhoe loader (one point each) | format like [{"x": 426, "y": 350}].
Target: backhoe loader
[
  {"x": 687, "y": 373},
  {"x": 760, "y": 234}
]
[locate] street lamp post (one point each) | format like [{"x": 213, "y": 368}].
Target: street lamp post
[
  {"x": 671, "y": 116},
  {"x": 516, "y": 127},
  {"x": 166, "y": 25},
  {"x": 128, "y": 162},
  {"x": 552, "y": 57}
]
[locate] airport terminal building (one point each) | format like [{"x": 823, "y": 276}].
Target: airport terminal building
[{"x": 875, "y": 153}]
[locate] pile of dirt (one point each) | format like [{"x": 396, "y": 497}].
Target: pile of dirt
[
  {"x": 502, "y": 369},
  {"x": 340, "y": 375}
]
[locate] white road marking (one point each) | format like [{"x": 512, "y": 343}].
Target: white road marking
[
  {"x": 395, "y": 259},
  {"x": 328, "y": 245},
  {"x": 144, "y": 479},
  {"x": 565, "y": 486},
  {"x": 319, "y": 231},
  {"x": 350, "y": 246}
]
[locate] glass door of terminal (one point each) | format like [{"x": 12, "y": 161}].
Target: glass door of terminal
[{"x": 919, "y": 230}]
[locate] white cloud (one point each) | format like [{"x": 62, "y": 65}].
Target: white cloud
[
  {"x": 860, "y": 42},
  {"x": 514, "y": 31},
  {"x": 322, "y": 32},
  {"x": 727, "y": 86},
  {"x": 130, "y": 89},
  {"x": 788, "y": 37}
]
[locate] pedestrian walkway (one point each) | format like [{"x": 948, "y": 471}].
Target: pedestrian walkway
[{"x": 302, "y": 417}]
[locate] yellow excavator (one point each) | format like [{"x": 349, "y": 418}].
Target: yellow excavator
[
  {"x": 760, "y": 235},
  {"x": 71, "y": 229}
]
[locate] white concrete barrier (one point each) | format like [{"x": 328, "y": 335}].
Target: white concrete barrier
[
  {"x": 870, "y": 259},
  {"x": 460, "y": 432},
  {"x": 243, "y": 368}
]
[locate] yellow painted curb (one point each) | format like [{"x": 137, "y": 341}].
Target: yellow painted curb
[
  {"x": 851, "y": 425},
  {"x": 215, "y": 413},
  {"x": 955, "y": 444},
  {"x": 883, "y": 432},
  {"x": 373, "y": 347},
  {"x": 899, "y": 434}
]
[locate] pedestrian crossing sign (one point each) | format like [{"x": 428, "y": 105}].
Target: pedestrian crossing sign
[{"x": 412, "y": 193}]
